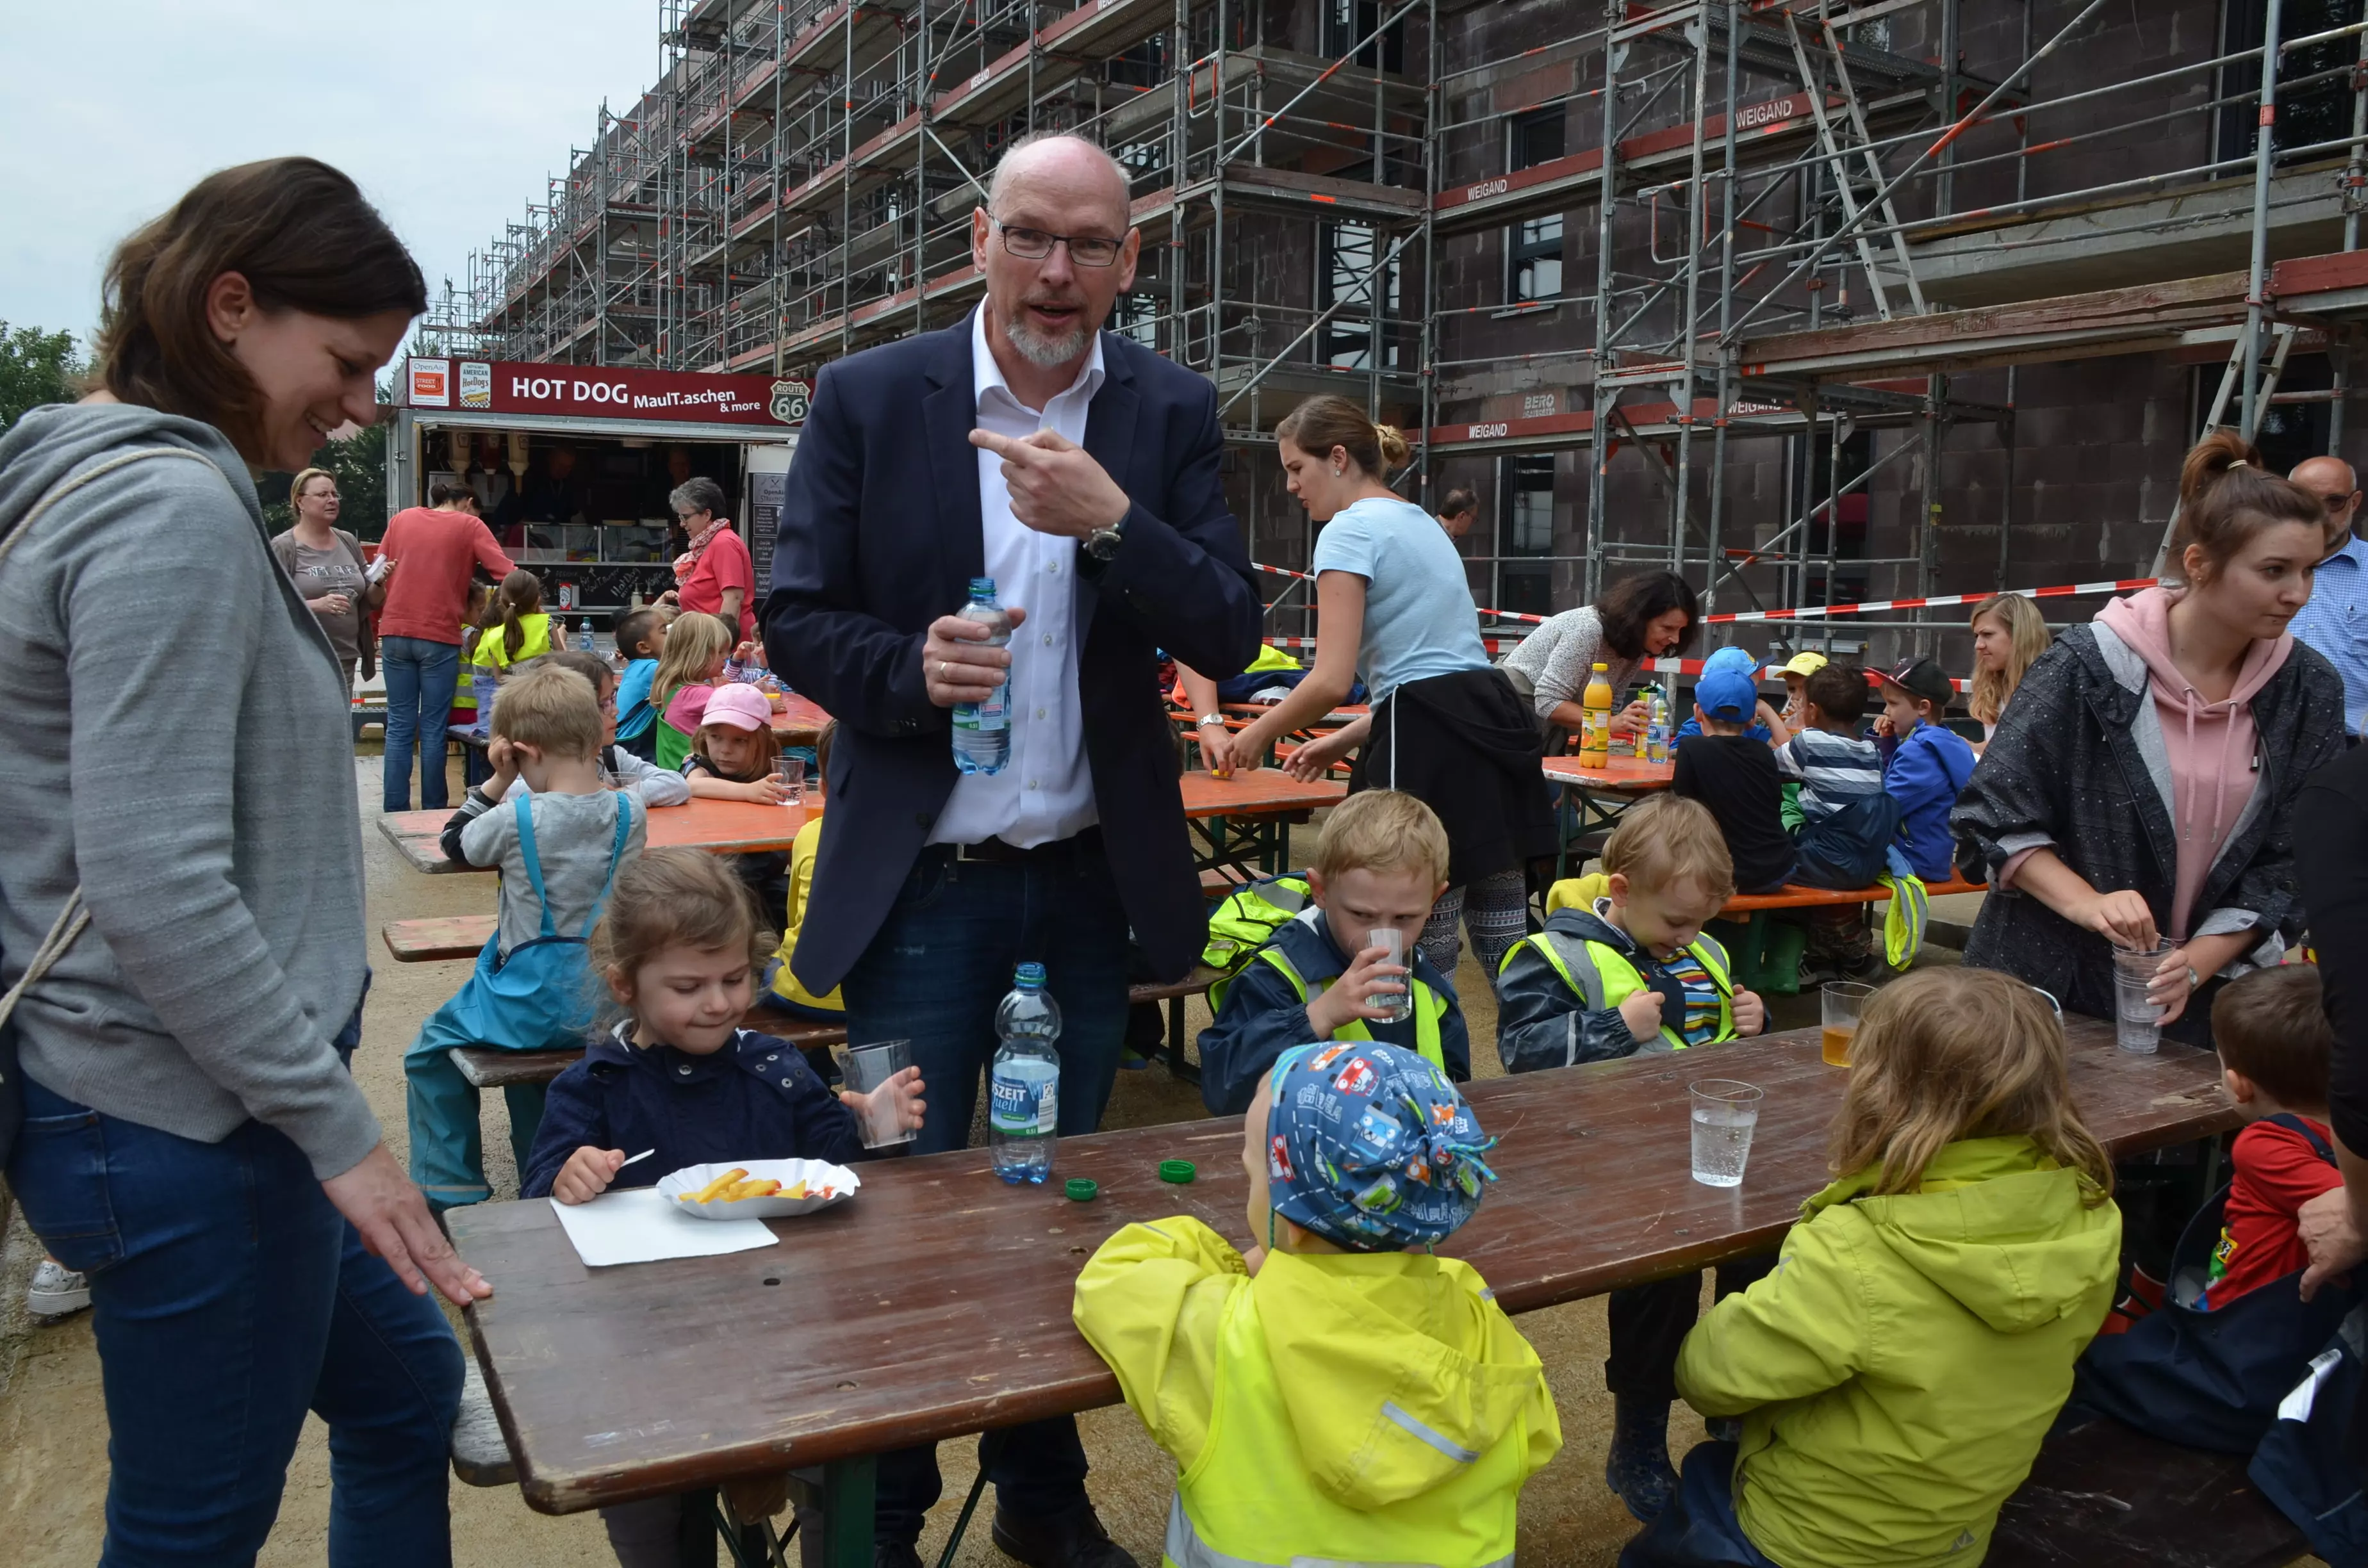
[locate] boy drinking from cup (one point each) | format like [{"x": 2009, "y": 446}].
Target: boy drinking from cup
[{"x": 1379, "y": 865}]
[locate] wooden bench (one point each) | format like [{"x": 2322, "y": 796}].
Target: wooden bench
[
  {"x": 1797, "y": 895},
  {"x": 1752, "y": 910},
  {"x": 486, "y": 1069},
  {"x": 442, "y": 936},
  {"x": 2104, "y": 1495}
]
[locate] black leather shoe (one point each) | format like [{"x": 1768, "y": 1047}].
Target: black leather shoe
[
  {"x": 895, "y": 1554},
  {"x": 1071, "y": 1539}
]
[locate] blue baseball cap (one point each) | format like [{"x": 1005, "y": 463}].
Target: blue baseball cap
[
  {"x": 1731, "y": 658},
  {"x": 1727, "y": 694}
]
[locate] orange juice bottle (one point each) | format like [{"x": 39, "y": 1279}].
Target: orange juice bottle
[{"x": 1594, "y": 737}]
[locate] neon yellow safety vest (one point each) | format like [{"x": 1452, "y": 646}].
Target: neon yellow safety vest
[
  {"x": 1603, "y": 977},
  {"x": 1429, "y": 1008},
  {"x": 1248, "y": 1503}
]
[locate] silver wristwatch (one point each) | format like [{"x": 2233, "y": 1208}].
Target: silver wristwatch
[{"x": 1102, "y": 544}]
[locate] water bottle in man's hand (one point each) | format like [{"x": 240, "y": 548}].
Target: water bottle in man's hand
[{"x": 983, "y": 730}]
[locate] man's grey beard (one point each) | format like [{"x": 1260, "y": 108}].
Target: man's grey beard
[{"x": 1049, "y": 352}]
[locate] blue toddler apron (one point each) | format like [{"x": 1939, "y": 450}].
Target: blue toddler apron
[{"x": 539, "y": 998}]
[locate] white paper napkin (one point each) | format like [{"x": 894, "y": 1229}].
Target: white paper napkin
[{"x": 642, "y": 1225}]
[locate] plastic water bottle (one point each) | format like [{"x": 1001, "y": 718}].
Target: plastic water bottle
[
  {"x": 1024, "y": 1086},
  {"x": 584, "y": 634},
  {"x": 983, "y": 730},
  {"x": 1657, "y": 731}
]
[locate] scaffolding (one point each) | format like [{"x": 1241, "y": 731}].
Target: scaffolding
[{"x": 1753, "y": 263}]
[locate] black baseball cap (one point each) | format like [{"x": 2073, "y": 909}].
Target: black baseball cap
[{"x": 1925, "y": 679}]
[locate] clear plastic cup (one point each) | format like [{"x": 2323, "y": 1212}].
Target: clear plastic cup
[
  {"x": 1400, "y": 1003},
  {"x": 1724, "y": 1112},
  {"x": 2137, "y": 1026},
  {"x": 863, "y": 1068},
  {"x": 1839, "y": 1003},
  {"x": 789, "y": 773}
]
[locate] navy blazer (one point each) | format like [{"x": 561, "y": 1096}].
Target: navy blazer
[{"x": 881, "y": 534}]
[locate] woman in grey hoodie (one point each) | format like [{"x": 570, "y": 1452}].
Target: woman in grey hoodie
[{"x": 192, "y": 1141}]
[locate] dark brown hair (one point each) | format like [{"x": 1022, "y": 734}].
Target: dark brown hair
[
  {"x": 2272, "y": 1026},
  {"x": 674, "y": 897},
  {"x": 2226, "y": 497},
  {"x": 632, "y": 631},
  {"x": 1457, "y": 501},
  {"x": 1839, "y": 690},
  {"x": 299, "y": 233},
  {"x": 520, "y": 595},
  {"x": 1323, "y": 422},
  {"x": 443, "y": 490},
  {"x": 1629, "y": 605}
]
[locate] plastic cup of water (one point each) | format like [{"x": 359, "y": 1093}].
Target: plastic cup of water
[
  {"x": 1839, "y": 1003},
  {"x": 863, "y": 1068},
  {"x": 1724, "y": 1112},
  {"x": 2136, "y": 1018},
  {"x": 1391, "y": 941},
  {"x": 790, "y": 774}
]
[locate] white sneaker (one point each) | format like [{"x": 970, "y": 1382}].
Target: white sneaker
[{"x": 57, "y": 1291}]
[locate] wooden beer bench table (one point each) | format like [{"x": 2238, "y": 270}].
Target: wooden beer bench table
[
  {"x": 936, "y": 1304},
  {"x": 1243, "y": 823},
  {"x": 799, "y": 721},
  {"x": 1592, "y": 799},
  {"x": 723, "y": 827}
]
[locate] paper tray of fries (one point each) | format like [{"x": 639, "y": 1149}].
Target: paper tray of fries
[{"x": 758, "y": 1190}]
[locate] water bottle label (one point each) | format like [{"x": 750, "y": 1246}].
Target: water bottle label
[
  {"x": 995, "y": 713},
  {"x": 1019, "y": 1106}
]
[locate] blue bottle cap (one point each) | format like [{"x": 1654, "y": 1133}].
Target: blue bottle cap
[
  {"x": 1029, "y": 977},
  {"x": 982, "y": 587}
]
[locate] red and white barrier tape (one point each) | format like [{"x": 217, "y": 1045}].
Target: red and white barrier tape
[
  {"x": 1938, "y": 601},
  {"x": 1806, "y": 612}
]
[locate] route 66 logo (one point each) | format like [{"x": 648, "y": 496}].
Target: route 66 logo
[{"x": 789, "y": 404}]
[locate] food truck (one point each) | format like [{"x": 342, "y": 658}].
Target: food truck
[{"x": 571, "y": 465}]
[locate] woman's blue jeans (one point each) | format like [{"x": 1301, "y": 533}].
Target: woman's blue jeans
[
  {"x": 229, "y": 1297},
  {"x": 421, "y": 676}
]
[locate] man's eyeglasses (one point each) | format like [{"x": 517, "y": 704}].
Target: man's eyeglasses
[{"x": 1035, "y": 245}]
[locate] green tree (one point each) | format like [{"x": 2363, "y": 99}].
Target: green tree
[
  {"x": 36, "y": 366},
  {"x": 360, "y": 463}
]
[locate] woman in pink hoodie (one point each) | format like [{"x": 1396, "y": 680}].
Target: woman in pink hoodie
[{"x": 2140, "y": 789}]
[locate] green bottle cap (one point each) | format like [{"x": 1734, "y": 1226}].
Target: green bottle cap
[
  {"x": 1178, "y": 1171},
  {"x": 1081, "y": 1188}
]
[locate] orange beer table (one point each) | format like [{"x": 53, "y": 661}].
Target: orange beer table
[{"x": 725, "y": 827}]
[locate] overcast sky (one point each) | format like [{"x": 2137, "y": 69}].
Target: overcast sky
[{"x": 448, "y": 115}]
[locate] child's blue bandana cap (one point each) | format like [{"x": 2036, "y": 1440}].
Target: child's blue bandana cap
[{"x": 1370, "y": 1147}]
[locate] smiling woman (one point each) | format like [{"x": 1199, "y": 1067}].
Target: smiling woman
[{"x": 190, "y": 1138}]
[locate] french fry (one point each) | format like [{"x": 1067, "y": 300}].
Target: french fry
[
  {"x": 797, "y": 1191},
  {"x": 757, "y": 1187},
  {"x": 716, "y": 1189}
]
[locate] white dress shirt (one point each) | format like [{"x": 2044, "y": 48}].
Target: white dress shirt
[{"x": 1045, "y": 791}]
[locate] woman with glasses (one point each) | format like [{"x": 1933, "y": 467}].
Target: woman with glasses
[{"x": 714, "y": 576}]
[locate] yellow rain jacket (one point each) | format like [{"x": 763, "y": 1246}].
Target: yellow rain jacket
[
  {"x": 1365, "y": 1408},
  {"x": 1897, "y": 1372}
]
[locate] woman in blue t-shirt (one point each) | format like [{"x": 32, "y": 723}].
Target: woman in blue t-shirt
[{"x": 1392, "y": 606}]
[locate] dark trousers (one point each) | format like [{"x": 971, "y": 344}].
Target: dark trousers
[
  {"x": 1650, "y": 1321},
  {"x": 933, "y": 975},
  {"x": 1699, "y": 1529}
]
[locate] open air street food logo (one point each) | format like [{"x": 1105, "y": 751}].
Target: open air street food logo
[{"x": 789, "y": 398}]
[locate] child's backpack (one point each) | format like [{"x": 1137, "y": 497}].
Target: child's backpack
[
  {"x": 2211, "y": 1380},
  {"x": 1240, "y": 926}
]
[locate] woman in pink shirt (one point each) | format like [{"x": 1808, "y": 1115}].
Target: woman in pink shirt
[
  {"x": 2140, "y": 789},
  {"x": 419, "y": 632},
  {"x": 715, "y": 575}
]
